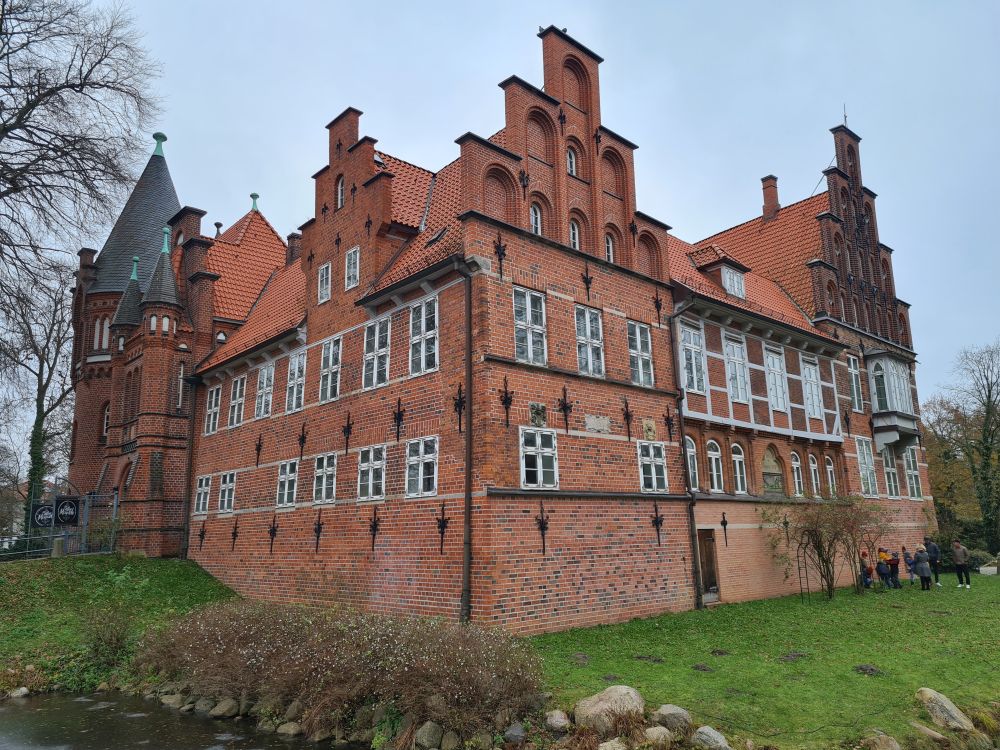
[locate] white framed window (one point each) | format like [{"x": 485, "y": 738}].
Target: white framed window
[
  {"x": 899, "y": 386},
  {"x": 288, "y": 477},
  {"x": 640, "y": 353},
  {"x": 152, "y": 328},
  {"x": 880, "y": 392},
  {"x": 891, "y": 474},
  {"x": 325, "y": 479},
  {"x": 106, "y": 420},
  {"x": 854, "y": 378},
  {"x": 323, "y": 284},
  {"x": 227, "y": 491},
  {"x": 811, "y": 389},
  {"x": 265, "y": 390},
  {"x": 371, "y": 473},
  {"x": 692, "y": 461},
  {"x": 236, "y": 396},
  {"x": 340, "y": 192},
  {"x": 814, "y": 478},
  {"x": 589, "y": 341},
  {"x": 421, "y": 467},
  {"x": 535, "y": 214},
  {"x": 652, "y": 466},
  {"x": 165, "y": 325},
  {"x": 574, "y": 234},
  {"x": 693, "y": 356},
  {"x": 716, "y": 483},
  {"x": 777, "y": 380},
  {"x": 424, "y": 336},
  {"x": 571, "y": 161},
  {"x": 739, "y": 470},
  {"x": 912, "y": 473},
  {"x": 798, "y": 485},
  {"x": 204, "y": 489},
  {"x": 866, "y": 467},
  {"x": 180, "y": 385},
  {"x": 295, "y": 389},
  {"x": 609, "y": 248},
  {"x": 529, "y": 326},
  {"x": 831, "y": 476},
  {"x": 732, "y": 282},
  {"x": 352, "y": 268},
  {"x": 539, "y": 459},
  {"x": 736, "y": 369},
  {"x": 212, "y": 399},
  {"x": 376, "y": 366},
  {"x": 329, "y": 370}
]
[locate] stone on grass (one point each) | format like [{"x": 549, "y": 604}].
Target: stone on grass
[
  {"x": 21, "y": 692},
  {"x": 709, "y": 738},
  {"x": 943, "y": 712},
  {"x": 290, "y": 729},
  {"x": 173, "y": 700},
  {"x": 451, "y": 741},
  {"x": 294, "y": 711},
  {"x": 556, "y": 721},
  {"x": 598, "y": 711},
  {"x": 880, "y": 741},
  {"x": 674, "y": 718},
  {"x": 204, "y": 705},
  {"x": 926, "y": 731},
  {"x": 615, "y": 744},
  {"x": 659, "y": 735},
  {"x": 227, "y": 708},
  {"x": 515, "y": 734},
  {"x": 428, "y": 737}
]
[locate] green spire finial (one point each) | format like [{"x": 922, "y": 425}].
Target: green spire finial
[
  {"x": 166, "y": 240},
  {"x": 135, "y": 268},
  {"x": 254, "y": 197},
  {"x": 159, "y": 138}
]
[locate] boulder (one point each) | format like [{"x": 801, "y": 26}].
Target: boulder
[
  {"x": 615, "y": 744},
  {"x": 187, "y": 708},
  {"x": 515, "y": 734},
  {"x": 451, "y": 741},
  {"x": 926, "y": 731},
  {"x": 659, "y": 736},
  {"x": 204, "y": 705},
  {"x": 880, "y": 741},
  {"x": 246, "y": 705},
  {"x": 428, "y": 737},
  {"x": 598, "y": 711},
  {"x": 21, "y": 692},
  {"x": 173, "y": 700},
  {"x": 267, "y": 726},
  {"x": 943, "y": 712},
  {"x": 294, "y": 711},
  {"x": 557, "y": 721},
  {"x": 709, "y": 738},
  {"x": 227, "y": 708},
  {"x": 481, "y": 741},
  {"x": 289, "y": 729},
  {"x": 674, "y": 718}
]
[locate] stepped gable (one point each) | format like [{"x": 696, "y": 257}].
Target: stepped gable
[
  {"x": 137, "y": 231},
  {"x": 278, "y": 309},
  {"x": 780, "y": 247},
  {"x": 244, "y": 256}
]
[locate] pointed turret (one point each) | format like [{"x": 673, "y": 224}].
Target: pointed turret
[
  {"x": 128, "y": 312},
  {"x": 137, "y": 231},
  {"x": 162, "y": 288}
]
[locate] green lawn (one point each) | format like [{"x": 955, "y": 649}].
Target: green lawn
[
  {"x": 945, "y": 639},
  {"x": 51, "y": 609}
]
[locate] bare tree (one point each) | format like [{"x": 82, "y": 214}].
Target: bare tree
[{"x": 74, "y": 98}]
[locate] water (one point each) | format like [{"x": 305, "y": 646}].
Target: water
[{"x": 111, "y": 721}]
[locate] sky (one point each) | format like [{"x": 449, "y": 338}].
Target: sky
[{"x": 716, "y": 94}]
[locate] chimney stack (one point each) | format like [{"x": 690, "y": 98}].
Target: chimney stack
[
  {"x": 294, "y": 248},
  {"x": 770, "y": 188}
]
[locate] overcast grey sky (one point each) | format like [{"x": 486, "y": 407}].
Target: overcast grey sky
[{"x": 716, "y": 94}]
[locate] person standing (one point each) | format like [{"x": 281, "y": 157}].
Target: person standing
[
  {"x": 934, "y": 558},
  {"x": 961, "y": 555},
  {"x": 922, "y": 567},
  {"x": 908, "y": 561},
  {"x": 894, "y": 571}
]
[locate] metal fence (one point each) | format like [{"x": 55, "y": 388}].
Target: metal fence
[{"x": 65, "y": 525}]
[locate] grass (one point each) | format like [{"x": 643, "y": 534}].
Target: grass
[
  {"x": 945, "y": 639},
  {"x": 62, "y": 616}
]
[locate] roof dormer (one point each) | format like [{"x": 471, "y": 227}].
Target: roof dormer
[{"x": 724, "y": 269}]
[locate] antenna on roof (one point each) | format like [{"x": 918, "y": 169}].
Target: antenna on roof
[
  {"x": 845, "y": 114},
  {"x": 254, "y": 197}
]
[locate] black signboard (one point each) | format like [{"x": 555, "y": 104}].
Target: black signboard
[
  {"x": 42, "y": 516},
  {"x": 64, "y": 512}
]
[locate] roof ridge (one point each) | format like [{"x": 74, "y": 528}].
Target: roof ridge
[
  {"x": 756, "y": 218},
  {"x": 385, "y": 154}
]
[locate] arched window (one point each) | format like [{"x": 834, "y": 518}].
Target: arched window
[
  {"x": 220, "y": 337},
  {"x": 773, "y": 474},
  {"x": 97, "y": 334},
  {"x": 571, "y": 161},
  {"x": 152, "y": 324},
  {"x": 106, "y": 334},
  {"x": 574, "y": 234},
  {"x": 845, "y": 203},
  {"x": 831, "y": 299},
  {"x": 797, "y": 483},
  {"x": 831, "y": 476},
  {"x": 340, "y": 191},
  {"x": 106, "y": 420},
  {"x": 716, "y": 482},
  {"x": 814, "y": 476},
  {"x": 165, "y": 324},
  {"x": 692, "y": 461},
  {"x": 881, "y": 394},
  {"x": 609, "y": 248},
  {"x": 536, "y": 219},
  {"x": 739, "y": 470}
]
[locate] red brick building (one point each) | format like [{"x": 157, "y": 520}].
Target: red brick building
[{"x": 498, "y": 390}]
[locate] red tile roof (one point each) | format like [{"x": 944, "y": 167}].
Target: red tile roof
[
  {"x": 410, "y": 186},
  {"x": 779, "y": 248},
  {"x": 279, "y": 308},
  {"x": 244, "y": 257}
]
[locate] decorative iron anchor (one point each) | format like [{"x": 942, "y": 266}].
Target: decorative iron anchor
[
  {"x": 725, "y": 528},
  {"x": 318, "y": 527},
  {"x": 201, "y": 536},
  {"x": 587, "y": 278},
  {"x": 658, "y": 304},
  {"x": 459, "y": 406},
  {"x": 397, "y": 416},
  {"x": 565, "y": 406},
  {"x": 259, "y": 447},
  {"x": 668, "y": 421},
  {"x": 627, "y": 416},
  {"x": 272, "y": 531},
  {"x": 657, "y": 521},
  {"x": 442, "y": 526},
  {"x": 347, "y": 429},
  {"x": 542, "y": 521},
  {"x": 303, "y": 435},
  {"x": 235, "y": 533},
  {"x": 506, "y": 399},
  {"x": 500, "y": 250},
  {"x": 373, "y": 525}
]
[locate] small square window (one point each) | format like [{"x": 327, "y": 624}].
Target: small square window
[
  {"x": 732, "y": 282},
  {"x": 539, "y": 461},
  {"x": 652, "y": 466}
]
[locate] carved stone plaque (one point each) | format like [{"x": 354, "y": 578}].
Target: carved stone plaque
[{"x": 538, "y": 414}]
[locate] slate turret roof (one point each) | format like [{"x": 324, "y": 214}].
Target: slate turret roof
[
  {"x": 128, "y": 312},
  {"x": 162, "y": 289}
]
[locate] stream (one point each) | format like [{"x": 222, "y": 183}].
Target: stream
[{"x": 113, "y": 721}]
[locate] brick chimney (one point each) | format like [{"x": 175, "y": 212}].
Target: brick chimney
[
  {"x": 770, "y": 188},
  {"x": 294, "y": 251}
]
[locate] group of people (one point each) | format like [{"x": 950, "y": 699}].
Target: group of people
[{"x": 924, "y": 564}]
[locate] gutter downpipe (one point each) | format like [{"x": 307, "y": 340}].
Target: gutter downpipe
[
  {"x": 465, "y": 612},
  {"x": 194, "y": 381},
  {"x": 699, "y": 601}
]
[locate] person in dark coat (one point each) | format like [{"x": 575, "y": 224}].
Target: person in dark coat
[
  {"x": 933, "y": 557},
  {"x": 961, "y": 556},
  {"x": 922, "y": 567},
  {"x": 908, "y": 561},
  {"x": 894, "y": 571}
]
